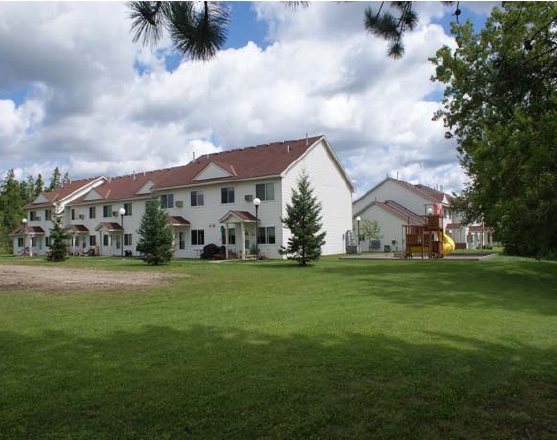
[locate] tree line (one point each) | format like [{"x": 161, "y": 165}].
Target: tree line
[{"x": 15, "y": 194}]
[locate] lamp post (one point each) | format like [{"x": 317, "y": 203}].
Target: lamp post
[
  {"x": 24, "y": 223},
  {"x": 358, "y": 219},
  {"x": 256, "y": 203},
  {"x": 122, "y": 211}
]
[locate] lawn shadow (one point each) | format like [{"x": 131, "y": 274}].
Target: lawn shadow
[
  {"x": 228, "y": 383},
  {"x": 523, "y": 285}
]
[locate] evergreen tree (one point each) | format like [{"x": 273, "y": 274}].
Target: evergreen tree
[
  {"x": 11, "y": 207},
  {"x": 55, "y": 180},
  {"x": 58, "y": 237},
  {"x": 39, "y": 186},
  {"x": 66, "y": 179},
  {"x": 156, "y": 235},
  {"x": 304, "y": 221}
]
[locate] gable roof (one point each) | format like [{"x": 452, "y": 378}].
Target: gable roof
[
  {"x": 50, "y": 197},
  {"x": 422, "y": 190},
  {"x": 245, "y": 163},
  {"x": 123, "y": 187},
  {"x": 396, "y": 209}
]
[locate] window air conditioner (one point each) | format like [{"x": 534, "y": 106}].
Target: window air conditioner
[
  {"x": 179, "y": 203},
  {"x": 38, "y": 218},
  {"x": 248, "y": 198},
  {"x": 114, "y": 213},
  {"x": 81, "y": 216}
]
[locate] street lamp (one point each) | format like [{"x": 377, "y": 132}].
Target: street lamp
[
  {"x": 358, "y": 219},
  {"x": 256, "y": 203},
  {"x": 24, "y": 223},
  {"x": 122, "y": 211}
]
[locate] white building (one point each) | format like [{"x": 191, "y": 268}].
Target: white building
[
  {"x": 209, "y": 200},
  {"x": 394, "y": 203}
]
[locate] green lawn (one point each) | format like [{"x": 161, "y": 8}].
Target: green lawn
[{"x": 342, "y": 350}]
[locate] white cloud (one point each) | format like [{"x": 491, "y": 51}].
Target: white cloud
[{"x": 323, "y": 74}]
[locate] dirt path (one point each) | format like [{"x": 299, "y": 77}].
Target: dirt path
[{"x": 13, "y": 277}]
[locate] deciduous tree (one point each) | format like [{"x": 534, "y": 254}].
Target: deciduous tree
[{"x": 500, "y": 105}]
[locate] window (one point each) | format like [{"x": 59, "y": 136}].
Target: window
[
  {"x": 118, "y": 241},
  {"x": 107, "y": 210},
  {"x": 227, "y": 195},
  {"x": 33, "y": 241},
  {"x": 128, "y": 208},
  {"x": 265, "y": 191},
  {"x": 197, "y": 198},
  {"x": 48, "y": 214},
  {"x": 20, "y": 242},
  {"x": 92, "y": 240},
  {"x": 197, "y": 237},
  {"x": 73, "y": 214},
  {"x": 32, "y": 215},
  {"x": 231, "y": 235},
  {"x": 92, "y": 212},
  {"x": 167, "y": 201},
  {"x": 127, "y": 239},
  {"x": 266, "y": 235},
  {"x": 181, "y": 240},
  {"x": 105, "y": 240},
  {"x": 47, "y": 241}
]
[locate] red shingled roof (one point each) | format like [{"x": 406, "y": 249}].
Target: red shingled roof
[
  {"x": 61, "y": 193},
  {"x": 177, "y": 220},
  {"x": 124, "y": 187},
  {"x": 260, "y": 161},
  {"x": 28, "y": 230},
  {"x": 78, "y": 228},
  {"x": 402, "y": 212}
]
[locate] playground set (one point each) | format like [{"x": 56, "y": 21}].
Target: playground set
[{"x": 429, "y": 240}]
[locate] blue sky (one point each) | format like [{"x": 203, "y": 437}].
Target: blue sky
[{"x": 75, "y": 92}]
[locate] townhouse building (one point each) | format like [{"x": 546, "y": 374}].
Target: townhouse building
[
  {"x": 394, "y": 203},
  {"x": 209, "y": 200}
]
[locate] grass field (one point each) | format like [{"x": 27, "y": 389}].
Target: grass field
[{"x": 341, "y": 350}]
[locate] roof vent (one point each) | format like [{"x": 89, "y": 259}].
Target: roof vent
[{"x": 288, "y": 148}]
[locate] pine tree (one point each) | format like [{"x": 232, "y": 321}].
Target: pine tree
[
  {"x": 66, "y": 178},
  {"x": 11, "y": 207},
  {"x": 155, "y": 234},
  {"x": 304, "y": 221},
  {"x": 58, "y": 237},
  {"x": 55, "y": 180},
  {"x": 39, "y": 186}
]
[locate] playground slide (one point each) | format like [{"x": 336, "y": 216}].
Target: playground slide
[{"x": 448, "y": 244}]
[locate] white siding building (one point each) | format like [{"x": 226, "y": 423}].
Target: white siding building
[
  {"x": 394, "y": 203},
  {"x": 209, "y": 200}
]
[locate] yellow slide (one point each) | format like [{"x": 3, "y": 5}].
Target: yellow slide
[{"x": 448, "y": 244}]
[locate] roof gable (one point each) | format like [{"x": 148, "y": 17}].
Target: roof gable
[
  {"x": 246, "y": 163},
  {"x": 41, "y": 199},
  {"x": 213, "y": 170},
  {"x": 92, "y": 195},
  {"x": 146, "y": 188}
]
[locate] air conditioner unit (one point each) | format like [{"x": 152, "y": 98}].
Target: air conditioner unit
[
  {"x": 248, "y": 198},
  {"x": 81, "y": 216},
  {"x": 38, "y": 218},
  {"x": 179, "y": 203},
  {"x": 114, "y": 213}
]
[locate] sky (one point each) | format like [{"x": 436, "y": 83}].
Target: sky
[{"x": 77, "y": 93}]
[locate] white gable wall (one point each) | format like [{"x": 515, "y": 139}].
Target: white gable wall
[
  {"x": 392, "y": 190},
  {"x": 212, "y": 171},
  {"x": 330, "y": 188},
  {"x": 390, "y": 224}
]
